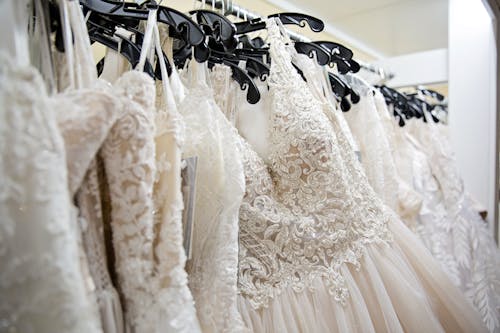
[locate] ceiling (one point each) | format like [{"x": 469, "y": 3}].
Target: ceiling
[{"x": 381, "y": 28}]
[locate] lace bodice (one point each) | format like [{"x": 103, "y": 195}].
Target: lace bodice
[
  {"x": 42, "y": 286},
  {"x": 302, "y": 217}
]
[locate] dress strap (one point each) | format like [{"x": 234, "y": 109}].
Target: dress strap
[
  {"x": 282, "y": 71},
  {"x": 148, "y": 39}
]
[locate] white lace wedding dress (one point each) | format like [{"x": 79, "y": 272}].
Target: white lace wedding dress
[
  {"x": 144, "y": 156},
  {"x": 43, "y": 285},
  {"x": 143, "y": 198},
  {"x": 84, "y": 127},
  {"x": 220, "y": 186},
  {"x": 319, "y": 252},
  {"x": 462, "y": 246},
  {"x": 470, "y": 241}
]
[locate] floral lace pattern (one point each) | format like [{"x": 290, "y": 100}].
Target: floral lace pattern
[
  {"x": 377, "y": 160},
  {"x": 301, "y": 217},
  {"x": 42, "y": 286},
  {"x": 92, "y": 227},
  {"x": 128, "y": 155},
  {"x": 213, "y": 269},
  {"x": 84, "y": 127},
  {"x": 469, "y": 241}
]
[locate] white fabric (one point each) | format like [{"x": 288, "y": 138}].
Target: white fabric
[
  {"x": 314, "y": 237},
  {"x": 43, "y": 285},
  {"x": 84, "y": 127},
  {"x": 368, "y": 126},
  {"x": 468, "y": 237},
  {"x": 220, "y": 186}
]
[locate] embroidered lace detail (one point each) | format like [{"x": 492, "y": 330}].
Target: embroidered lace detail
[
  {"x": 84, "y": 126},
  {"x": 91, "y": 224},
  {"x": 85, "y": 123},
  {"x": 213, "y": 269},
  {"x": 42, "y": 286},
  {"x": 177, "y": 312},
  {"x": 467, "y": 238},
  {"x": 302, "y": 218},
  {"x": 128, "y": 155}
]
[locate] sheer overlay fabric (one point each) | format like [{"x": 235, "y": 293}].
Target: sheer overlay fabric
[{"x": 317, "y": 253}]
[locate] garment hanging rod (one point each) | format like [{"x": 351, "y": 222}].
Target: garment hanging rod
[{"x": 230, "y": 8}]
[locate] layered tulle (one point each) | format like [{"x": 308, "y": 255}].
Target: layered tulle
[{"x": 397, "y": 288}]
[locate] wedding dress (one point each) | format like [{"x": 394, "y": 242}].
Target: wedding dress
[
  {"x": 367, "y": 131},
  {"x": 472, "y": 244},
  {"x": 177, "y": 300},
  {"x": 220, "y": 186},
  {"x": 319, "y": 252},
  {"x": 447, "y": 237},
  {"x": 409, "y": 200},
  {"x": 43, "y": 286},
  {"x": 84, "y": 128},
  {"x": 377, "y": 160},
  {"x": 146, "y": 252}
]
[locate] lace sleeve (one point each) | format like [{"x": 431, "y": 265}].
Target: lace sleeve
[
  {"x": 88, "y": 117},
  {"x": 128, "y": 155}
]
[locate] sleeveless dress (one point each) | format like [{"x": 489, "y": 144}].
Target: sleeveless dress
[
  {"x": 469, "y": 239},
  {"x": 220, "y": 185},
  {"x": 377, "y": 156},
  {"x": 319, "y": 252}
]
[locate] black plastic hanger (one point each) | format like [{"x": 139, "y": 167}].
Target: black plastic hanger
[
  {"x": 188, "y": 30},
  {"x": 299, "y": 19},
  {"x": 432, "y": 93},
  {"x": 257, "y": 68},
  {"x": 126, "y": 48},
  {"x": 240, "y": 76},
  {"x": 104, "y": 22},
  {"x": 336, "y": 49},
  {"x": 340, "y": 56},
  {"x": 342, "y": 91},
  {"x": 398, "y": 101},
  {"x": 424, "y": 105},
  {"x": 223, "y": 29},
  {"x": 261, "y": 55},
  {"x": 313, "y": 50}
]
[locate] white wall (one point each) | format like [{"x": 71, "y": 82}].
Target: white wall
[
  {"x": 413, "y": 69},
  {"x": 472, "y": 97}
]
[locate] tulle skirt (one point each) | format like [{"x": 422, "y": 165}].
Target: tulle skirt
[{"x": 398, "y": 288}]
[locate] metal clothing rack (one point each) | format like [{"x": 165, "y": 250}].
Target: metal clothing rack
[
  {"x": 229, "y": 8},
  {"x": 384, "y": 74}
]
